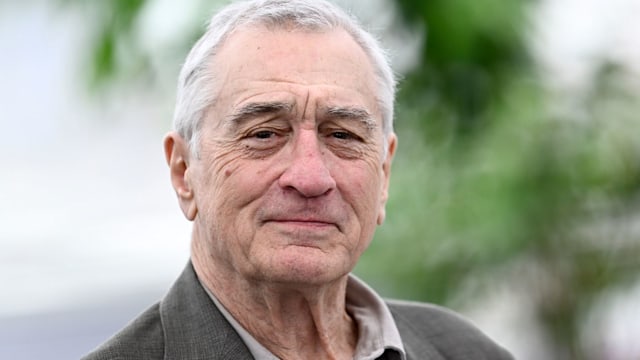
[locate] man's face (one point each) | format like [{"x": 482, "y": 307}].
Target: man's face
[{"x": 291, "y": 179}]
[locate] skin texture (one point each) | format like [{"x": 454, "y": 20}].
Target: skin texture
[{"x": 289, "y": 186}]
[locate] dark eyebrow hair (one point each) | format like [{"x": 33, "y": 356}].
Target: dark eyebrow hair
[
  {"x": 254, "y": 109},
  {"x": 353, "y": 113}
]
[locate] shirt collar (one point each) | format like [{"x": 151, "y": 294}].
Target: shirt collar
[{"x": 377, "y": 330}]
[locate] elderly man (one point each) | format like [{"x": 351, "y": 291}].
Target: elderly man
[{"x": 281, "y": 157}]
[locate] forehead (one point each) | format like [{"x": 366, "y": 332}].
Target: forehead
[{"x": 330, "y": 64}]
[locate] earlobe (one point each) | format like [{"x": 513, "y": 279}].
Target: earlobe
[
  {"x": 177, "y": 155},
  {"x": 381, "y": 215}
]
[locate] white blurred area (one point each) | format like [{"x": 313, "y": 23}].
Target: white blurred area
[
  {"x": 87, "y": 204},
  {"x": 571, "y": 37},
  {"x": 90, "y": 231}
]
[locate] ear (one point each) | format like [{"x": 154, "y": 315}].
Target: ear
[
  {"x": 392, "y": 141},
  {"x": 177, "y": 154}
]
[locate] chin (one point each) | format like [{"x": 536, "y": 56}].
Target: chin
[{"x": 307, "y": 267}]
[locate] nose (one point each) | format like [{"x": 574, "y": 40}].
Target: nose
[{"x": 307, "y": 171}]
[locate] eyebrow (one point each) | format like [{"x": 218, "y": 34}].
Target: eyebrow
[
  {"x": 254, "y": 109},
  {"x": 353, "y": 113}
]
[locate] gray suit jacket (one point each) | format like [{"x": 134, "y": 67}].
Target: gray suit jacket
[{"x": 186, "y": 325}]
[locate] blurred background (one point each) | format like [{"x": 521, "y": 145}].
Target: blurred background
[{"x": 515, "y": 194}]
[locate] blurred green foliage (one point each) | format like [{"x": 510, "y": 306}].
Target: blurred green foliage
[
  {"x": 116, "y": 52},
  {"x": 499, "y": 181},
  {"x": 113, "y": 33},
  {"x": 500, "y": 188}
]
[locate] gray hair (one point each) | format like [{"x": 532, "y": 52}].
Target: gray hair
[{"x": 195, "y": 92}]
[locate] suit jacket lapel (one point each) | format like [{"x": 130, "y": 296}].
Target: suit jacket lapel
[{"x": 193, "y": 326}]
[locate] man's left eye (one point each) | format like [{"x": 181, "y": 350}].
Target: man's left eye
[
  {"x": 342, "y": 135},
  {"x": 265, "y": 134}
]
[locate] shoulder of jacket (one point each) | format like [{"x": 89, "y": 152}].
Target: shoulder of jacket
[
  {"x": 454, "y": 336},
  {"x": 415, "y": 309},
  {"x": 141, "y": 339}
]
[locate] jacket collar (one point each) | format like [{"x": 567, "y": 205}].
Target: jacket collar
[{"x": 193, "y": 327}]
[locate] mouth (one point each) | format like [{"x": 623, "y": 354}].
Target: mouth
[
  {"x": 306, "y": 219},
  {"x": 302, "y": 222}
]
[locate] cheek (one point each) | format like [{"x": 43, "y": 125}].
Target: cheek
[
  {"x": 361, "y": 190},
  {"x": 361, "y": 186},
  {"x": 235, "y": 183},
  {"x": 216, "y": 186}
]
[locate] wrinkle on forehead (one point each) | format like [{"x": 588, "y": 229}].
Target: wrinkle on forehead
[{"x": 306, "y": 104}]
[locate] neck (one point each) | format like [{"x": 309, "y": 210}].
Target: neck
[{"x": 292, "y": 321}]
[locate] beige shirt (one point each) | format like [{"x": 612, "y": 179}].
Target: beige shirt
[{"x": 376, "y": 328}]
